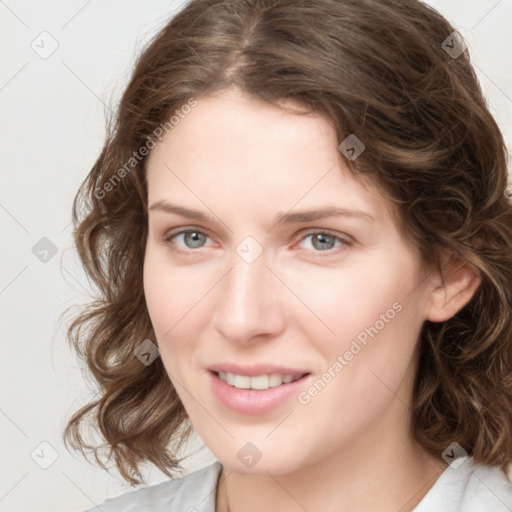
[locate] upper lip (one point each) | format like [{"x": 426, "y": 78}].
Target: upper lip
[{"x": 255, "y": 369}]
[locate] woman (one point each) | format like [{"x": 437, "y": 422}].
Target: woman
[{"x": 300, "y": 231}]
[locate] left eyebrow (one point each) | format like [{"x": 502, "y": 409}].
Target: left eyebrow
[{"x": 329, "y": 211}]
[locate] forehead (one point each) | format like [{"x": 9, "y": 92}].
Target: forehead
[{"x": 238, "y": 149}]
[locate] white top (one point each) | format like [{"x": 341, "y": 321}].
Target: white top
[{"x": 464, "y": 486}]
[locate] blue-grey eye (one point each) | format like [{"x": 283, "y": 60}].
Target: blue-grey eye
[
  {"x": 323, "y": 241},
  {"x": 193, "y": 239}
]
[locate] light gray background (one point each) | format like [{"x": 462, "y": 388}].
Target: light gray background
[{"x": 52, "y": 131}]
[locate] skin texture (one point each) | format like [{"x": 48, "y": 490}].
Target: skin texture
[{"x": 242, "y": 162}]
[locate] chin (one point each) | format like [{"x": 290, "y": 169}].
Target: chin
[{"x": 270, "y": 461}]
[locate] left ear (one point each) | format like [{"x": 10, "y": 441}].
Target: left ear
[{"x": 461, "y": 282}]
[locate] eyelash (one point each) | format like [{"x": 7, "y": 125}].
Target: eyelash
[{"x": 330, "y": 252}]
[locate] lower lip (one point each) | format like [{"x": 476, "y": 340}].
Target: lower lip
[{"x": 254, "y": 401}]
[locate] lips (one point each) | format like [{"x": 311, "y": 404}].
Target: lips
[
  {"x": 260, "y": 399},
  {"x": 256, "y": 369}
]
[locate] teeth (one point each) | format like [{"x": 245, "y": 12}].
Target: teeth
[
  {"x": 258, "y": 382},
  {"x": 275, "y": 380},
  {"x": 242, "y": 382}
]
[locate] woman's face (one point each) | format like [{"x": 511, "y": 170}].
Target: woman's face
[{"x": 249, "y": 290}]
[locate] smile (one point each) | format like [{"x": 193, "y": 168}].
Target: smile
[
  {"x": 257, "y": 394},
  {"x": 260, "y": 382}
]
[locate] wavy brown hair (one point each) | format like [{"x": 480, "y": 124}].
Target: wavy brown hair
[{"x": 374, "y": 68}]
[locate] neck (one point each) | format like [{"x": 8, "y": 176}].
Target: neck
[{"x": 383, "y": 473}]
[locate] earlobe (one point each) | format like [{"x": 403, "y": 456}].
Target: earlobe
[{"x": 461, "y": 281}]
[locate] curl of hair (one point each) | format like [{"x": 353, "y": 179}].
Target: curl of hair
[{"x": 374, "y": 68}]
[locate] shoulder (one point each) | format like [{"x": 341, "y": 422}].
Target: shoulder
[
  {"x": 489, "y": 487},
  {"x": 194, "y": 492},
  {"x": 467, "y": 486}
]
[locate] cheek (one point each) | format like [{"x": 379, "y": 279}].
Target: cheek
[
  {"x": 161, "y": 299},
  {"x": 156, "y": 295},
  {"x": 377, "y": 341},
  {"x": 176, "y": 306},
  {"x": 161, "y": 303},
  {"x": 349, "y": 299},
  {"x": 169, "y": 292},
  {"x": 374, "y": 322}
]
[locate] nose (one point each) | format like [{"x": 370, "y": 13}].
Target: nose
[{"x": 248, "y": 305}]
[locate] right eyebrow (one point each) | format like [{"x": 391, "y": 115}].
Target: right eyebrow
[{"x": 181, "y": 210}]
